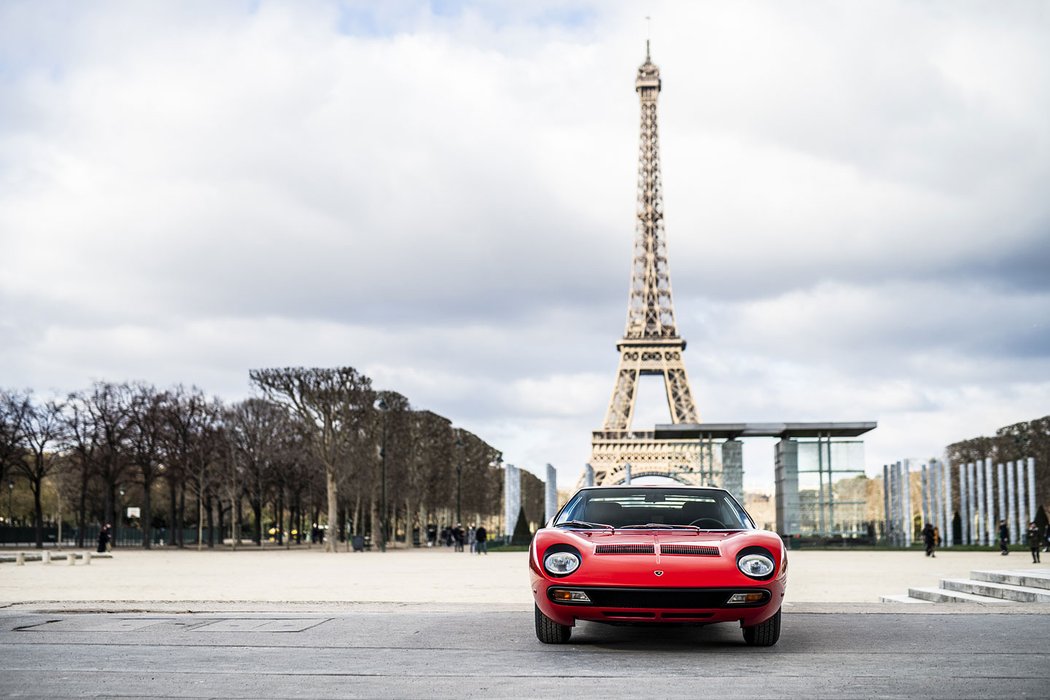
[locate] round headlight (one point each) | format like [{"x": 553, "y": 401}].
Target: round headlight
[
  {"x": 561, "y": 563},
  {"x": 756, "y": 565}
]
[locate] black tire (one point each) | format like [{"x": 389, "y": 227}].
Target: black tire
[
  {"x": 550, "y": 632},
  {"x": 764, "y": 634}
]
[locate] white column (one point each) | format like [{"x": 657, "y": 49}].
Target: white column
[
  {"x": 964, "y": 506},
  {"x": 1011, "y": 509},
  {"x": 989, "y": 502},
  {"x": 511, "y": 498},
  {"x": 1002, "y": 498},
  {"x": 886, "y": 530},
  {"x": 1031, "y": 488},
  {"x": 925, "y": 495},
  {"x": 627, "y": 474},
  {"x": 1022, "y": 502},
  {"x": 938, "y": 499},
  {"x": 898, "y": 498},
  {"x": 550, "y": 502},
  {"x": 977, "y": 475},
  {"x": 908, "y": 522},
  {"x": 948, "y": 512}
]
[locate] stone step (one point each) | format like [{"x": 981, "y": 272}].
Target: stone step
[
  {"x": 902, "y": 599},
  {"x": 940, "y": 595},
  {"x": 1004, "y": 591},
  {"x": 1030, "y": 578}
]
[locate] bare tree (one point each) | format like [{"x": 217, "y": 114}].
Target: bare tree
[
  {"x": 254, "y": 427},
  {"x": 334, "y": 405},
  {"x": 146, "y": 437},
  {"x": 43, "y": 430},
  {"x": 13, "y": 407}
]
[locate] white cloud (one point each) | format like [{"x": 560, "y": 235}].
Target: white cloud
[{"x": 855, "y": 201}]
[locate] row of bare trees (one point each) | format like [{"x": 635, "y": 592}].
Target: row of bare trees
[{"x": 315, "y": 446}]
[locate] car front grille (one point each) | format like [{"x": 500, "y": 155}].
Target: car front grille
[
  {"x": 689, "y": 549},
  {"x": 665, "y": 598},
  {"x": 625, "y": 549}
]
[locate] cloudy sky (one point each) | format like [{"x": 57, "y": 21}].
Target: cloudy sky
[{"x": 441, "y": 195}]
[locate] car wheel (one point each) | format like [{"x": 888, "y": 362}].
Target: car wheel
[
  {"x": 764, "y": 634},
  {"x": 550, "y": 632}
]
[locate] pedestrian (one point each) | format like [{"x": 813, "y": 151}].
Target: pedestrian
[
  {"x": 472, "y": 538},
  {"x": 458, "y": 536},
  {"x": 1033, "y": 541},
  {"x": 481, "y": 535},
  {"x": 103, "y": 539},
  {"x": 929, "y": 538},
  {"x": 1046, "y": 535},
  {"x": 1004, "y": 538}
]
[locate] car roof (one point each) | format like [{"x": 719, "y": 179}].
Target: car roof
[{"x": 655, "y": 486}]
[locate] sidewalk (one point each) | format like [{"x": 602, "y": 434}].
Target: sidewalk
[{"x": 428, "y": 576}]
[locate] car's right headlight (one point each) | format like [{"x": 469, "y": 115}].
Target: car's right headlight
[
  {"x": 561, "y": 563},
  {"x": 755, "y": 565}
]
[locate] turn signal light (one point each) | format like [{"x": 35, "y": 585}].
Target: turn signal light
[
  {"x": 567, "y": 596},
  {"x": 744, "y": 598}
]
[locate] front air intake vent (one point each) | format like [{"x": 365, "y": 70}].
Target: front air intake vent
[
  {"x": 625, "y": 549},
  {"x": 689, "y": 549}
]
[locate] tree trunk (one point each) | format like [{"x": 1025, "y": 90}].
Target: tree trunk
[
  {"x": 147, "y": 513},
  {"x": 82, "y": 511},
  {"x": 210, "y": 510},
  {"x": 333, "y": 508},
  {"x": 182, "y": 516},
  {"x": 174, "y": 511},
  {"x": 38, "y": 512},
  {"x": 257, "y": 512}
]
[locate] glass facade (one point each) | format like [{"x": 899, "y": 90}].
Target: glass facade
[{"x": 832, "y": 488}]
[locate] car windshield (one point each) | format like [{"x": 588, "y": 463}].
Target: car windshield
[{"x": 663, "y": 507}]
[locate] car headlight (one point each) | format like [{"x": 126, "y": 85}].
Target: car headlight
[
  {"x": 755, "y": 565},
  {"x": 561, "y": 563}
]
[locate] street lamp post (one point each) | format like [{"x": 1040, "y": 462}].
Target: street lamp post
[
  {"x": 382, "y": 407},
  {"x": 10, "y": 502},
  {"x": 120, "y": 514}
]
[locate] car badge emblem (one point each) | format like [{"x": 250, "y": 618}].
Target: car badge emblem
[{"x": 659, "y": 573}]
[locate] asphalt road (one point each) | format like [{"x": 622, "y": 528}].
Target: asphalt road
[{"x": 412, "y": 653}]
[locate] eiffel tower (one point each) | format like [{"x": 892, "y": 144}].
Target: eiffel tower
[{"x": 651, "y": 344}]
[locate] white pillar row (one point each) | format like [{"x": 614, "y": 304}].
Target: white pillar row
[
  {"x": 925, "y": 495},
  {"x": 964, "y": 506},
  {"x": 948, "y": 512},
  {"x": 1001, "y": 513},
  {"x": 977, "y": 474},
  {"x": 1011, "y": 504},
  {"x": 908, "y": 522},
  {"x": 989, "y": 503},
  {"x": 1031, "y": 488}
]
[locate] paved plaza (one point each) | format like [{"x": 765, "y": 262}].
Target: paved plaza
[
  {"x": 427, "y": 576},
  {"x": 434, "y": 623}
]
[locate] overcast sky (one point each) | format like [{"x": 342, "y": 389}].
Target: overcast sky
[{"x": 442, "y": 195}]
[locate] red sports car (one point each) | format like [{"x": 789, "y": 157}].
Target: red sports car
[{"x": 656, "y": 554}]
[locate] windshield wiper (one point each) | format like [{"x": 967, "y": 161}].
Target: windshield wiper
[
  {"x": 584, "y": 523},
  {"x": 660, "y": 526}
]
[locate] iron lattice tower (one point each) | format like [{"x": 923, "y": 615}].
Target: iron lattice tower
[{"x": 651, "y": 344}]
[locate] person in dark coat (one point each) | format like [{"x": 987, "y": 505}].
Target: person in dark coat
[
  {"x": 103, "y": 538},
  {"x": 1004, "y": 538},
  {"x": 1033, "y": 541},
  {"x": 929, "y": 538},
  {"x": 482, "y": 535}
]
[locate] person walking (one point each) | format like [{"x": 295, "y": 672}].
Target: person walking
[
  {"x": 929, "y": 538},
  {"x": 481, "y": 535},
  {"x": 1033, "y": 541},
  {"x": 1004, "y": 538},
  {"x": 458, "y": 536},
  {"x": 103, "y": 539}
]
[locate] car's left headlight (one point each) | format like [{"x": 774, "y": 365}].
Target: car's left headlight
[
  {"x": 561, "y": 563},
  {"x": 756, "y": 565}
]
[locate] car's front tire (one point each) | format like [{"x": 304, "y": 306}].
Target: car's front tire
[
  {"x": 764, "y": 634},
  {"x": 550, "y": 632}
]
